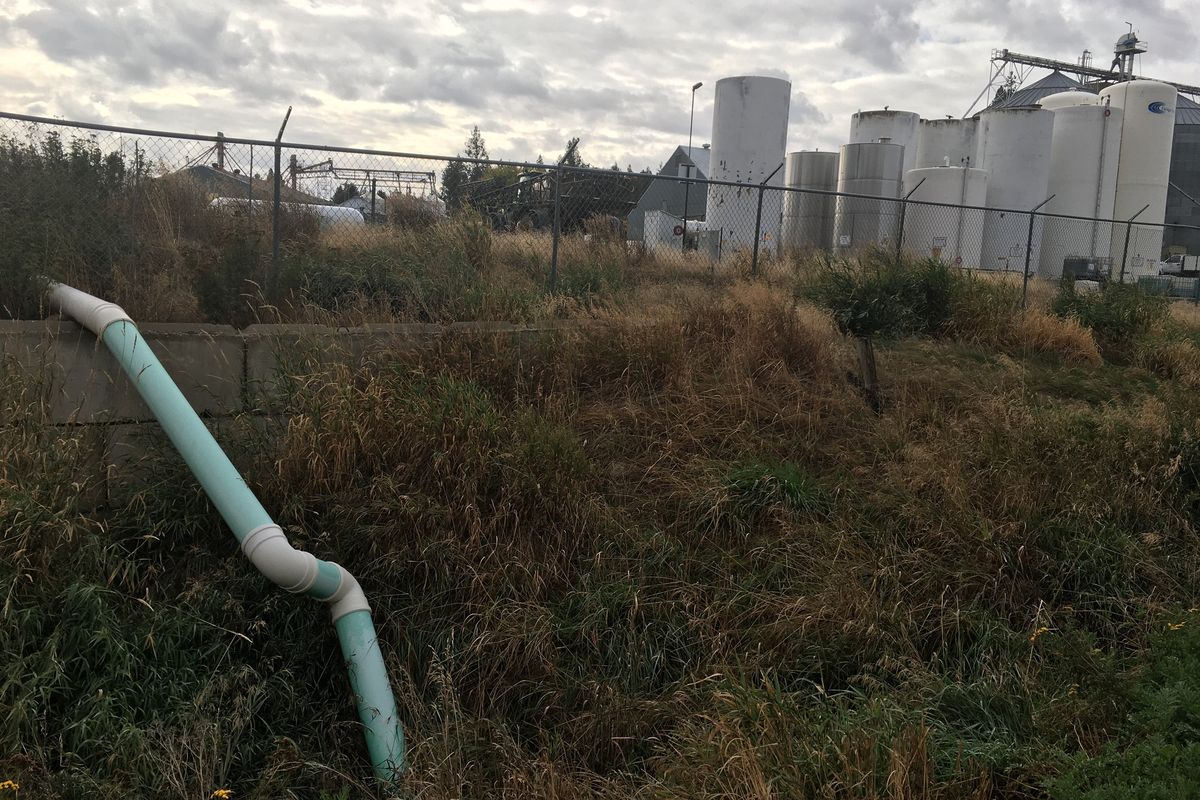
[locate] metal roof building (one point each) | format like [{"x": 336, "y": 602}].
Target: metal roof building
[
  {"x": 666, "y": 192},
  {"x": 1032, "y": 94}
]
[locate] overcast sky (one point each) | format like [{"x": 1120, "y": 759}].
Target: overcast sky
[{"x": 417, "y": 74}]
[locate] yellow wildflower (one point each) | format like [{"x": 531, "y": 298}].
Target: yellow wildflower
[
  {"x": 1033, "y": 637},
  {"x": 10, "y": 786},
  {"x": 221, "y": 794}
]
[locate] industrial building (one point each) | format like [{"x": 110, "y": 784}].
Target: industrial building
[
  {"x": 1108, "y": 145},
  {"x": 668, "y": 192}
]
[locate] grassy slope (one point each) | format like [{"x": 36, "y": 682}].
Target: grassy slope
[{"x": 670, "y": 555}]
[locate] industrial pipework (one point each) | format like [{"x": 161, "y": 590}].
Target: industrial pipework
[{"x": 260, "y": 538}]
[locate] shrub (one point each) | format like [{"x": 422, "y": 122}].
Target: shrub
[
  {"x": 881, "y": 297},
  {"x": 1117, "y": 313}
]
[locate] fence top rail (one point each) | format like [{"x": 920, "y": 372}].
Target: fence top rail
[{"x": 272, "y": 144}]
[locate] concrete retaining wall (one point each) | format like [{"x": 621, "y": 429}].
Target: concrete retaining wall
[{"x": 227, "y": 375}]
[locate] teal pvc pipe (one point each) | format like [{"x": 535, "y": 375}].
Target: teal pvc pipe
[
  {"x": 372, "y": 693},
  {"x": 242, "y": 511}
]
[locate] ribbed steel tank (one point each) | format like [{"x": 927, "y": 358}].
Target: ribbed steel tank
[
  {"x": 1013, "y": 145},
  {"x": 808, "y": 218},
  {"x": 948, "y": 232},
  {"x": 1143, "y": 170},
  {"x": 892, "y": 127},
  {"x": 749, "y": 136},
  {"x": 1083, "y": 179},
  {"x": 868, "y": 168},
  {"x": 946, "y": 142}
]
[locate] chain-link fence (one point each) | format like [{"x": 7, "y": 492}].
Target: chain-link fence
[{"x": 92, "y": 200}]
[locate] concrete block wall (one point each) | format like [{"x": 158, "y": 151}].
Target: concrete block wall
[{"x": 223, "y": 372}]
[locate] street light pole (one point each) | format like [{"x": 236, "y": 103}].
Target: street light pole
[{"x": 687, "y": 185}]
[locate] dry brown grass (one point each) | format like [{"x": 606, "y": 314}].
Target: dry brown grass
[{"x": 1040, "y": 332}]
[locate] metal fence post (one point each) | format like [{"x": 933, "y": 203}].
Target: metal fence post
[
  {"x": 558, "y": 176},
  {"x": 757, "y": 233},
  {"x": 762, "y": 188},
  {"x": 1029, "y": 253},
  {"x": 274, "y": 278},
  {"x": 1125, "y": 249},
  {"x": 903, "y": 213}
]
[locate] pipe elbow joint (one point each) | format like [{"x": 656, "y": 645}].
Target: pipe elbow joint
[
  {"x": 299, "y": 572},
  {"x": 348, "y": 598},
  {"x": 270, "y": 551}
]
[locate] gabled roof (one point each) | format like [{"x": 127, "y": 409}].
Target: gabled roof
[
  {"x": 1032, "y": 94},
  {"x": 699, "y": 158},
  {"x": 222, "y": 183}
]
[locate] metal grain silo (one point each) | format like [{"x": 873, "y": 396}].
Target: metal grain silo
[
  {"x": 1143, "y": 170},
  {"x": 1013, "y": 145},
  {"x": 749, "y": 136},
  {"x": 808, "y": 218},
  {"x": 868, "y": 168},
  {"x": 945, "y": 231},
  {"x": 894, "y": 127},
  {"x": 1185, "y": 179},
  {"x": 1083, "y": 179},
  {"x": 942, "y": 142}
]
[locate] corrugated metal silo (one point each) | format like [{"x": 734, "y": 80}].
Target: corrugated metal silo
[
  {"x": 868, "y": 168},
  {"x": 808, "y": 218},
  {"x": 894, "y": 127}
]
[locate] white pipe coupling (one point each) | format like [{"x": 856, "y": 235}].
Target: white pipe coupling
[
  {"x": 270, "y": 551},
  {"x": 90, "y": 312}
]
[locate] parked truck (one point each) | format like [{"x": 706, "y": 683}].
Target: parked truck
[{"x": 1180, "y": 265}]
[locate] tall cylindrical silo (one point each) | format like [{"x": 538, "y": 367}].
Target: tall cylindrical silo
[
  {"x": 949, "y": 232},
  {"x": 946, "y": 142},
  {"x": 808, "y": 218},
  {"x": 749, "y": 136},
  {"x": 1143, "y": 170},
  {"x": 1083, "y": 179},
  {"x": 1013, "y": 145},
  {"x": 1053, "y": 102},
  {"x": 868, "y": 168},
  {"x": 893, "y": 127}
]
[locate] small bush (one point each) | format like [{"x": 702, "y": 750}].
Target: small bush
[
  {"x": 881, "y": 297},
  {"x": 1118, "y": 313},
  {"x": 411, "y": 213}
]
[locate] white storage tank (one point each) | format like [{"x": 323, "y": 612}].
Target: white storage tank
[
  {"x": 868, "y": 168},
  {"x": 1053, "y": 102},
  {"x": 944, "y": 142},
  {"x": 1013, "y": 145},
  {"x": 1143, "y": 170},
  {"x": 894, "y": 127},
  {"x": 948, "y": 232},
  {"x": 749, "y": 136},
  {"x": 1083, "y": 179},
  {"x": 808, "y": 218}
]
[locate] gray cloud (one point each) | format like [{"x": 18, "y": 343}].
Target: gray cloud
[{"x": 417, "y": 76}]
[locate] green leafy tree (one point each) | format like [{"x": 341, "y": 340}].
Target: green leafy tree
[
  {"x": 476, "y": 148},
  {"x": 344, "y": 192},
  {"x": 459, "y": 173},
  {"x": 570, "y": 156}
]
